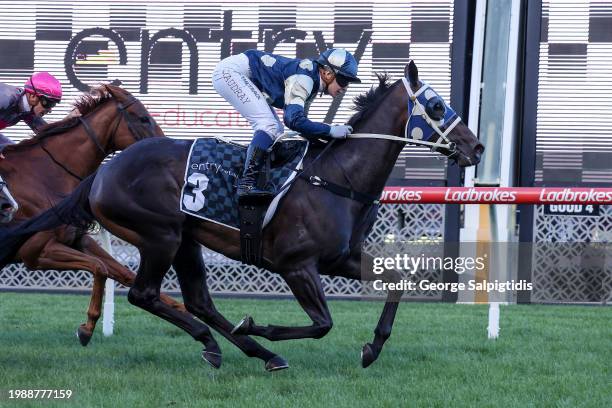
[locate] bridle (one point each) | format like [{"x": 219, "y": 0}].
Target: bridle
[
  {"x": 442, "y": 143},
  {"x": 415, "y": 109},
  {"x": 122, "y": 108}
]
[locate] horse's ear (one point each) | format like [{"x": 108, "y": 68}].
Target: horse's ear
[
  {"x": 114, "y": 91},
  {"x": 412, "y": 73}
]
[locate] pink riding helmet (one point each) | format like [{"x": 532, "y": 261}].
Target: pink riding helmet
[{"x": 44, "y": 84}]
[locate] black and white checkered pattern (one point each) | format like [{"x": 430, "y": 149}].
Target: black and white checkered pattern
[
  {"x": 174, "y": 82},
  {"x": 222, "y": 163}
]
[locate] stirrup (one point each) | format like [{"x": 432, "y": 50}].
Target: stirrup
[
  {"x": 252, "y": 213},
  {"x": 256, "y": 197}
]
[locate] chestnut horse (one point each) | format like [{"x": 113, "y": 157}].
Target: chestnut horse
[
  {"x": 44, "y": 169},
  {"x": 319, "y": 227}
]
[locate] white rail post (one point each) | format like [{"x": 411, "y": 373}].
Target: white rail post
[
  {"x": 108, "y": 312},
  {"x": 493, "y": 327}
]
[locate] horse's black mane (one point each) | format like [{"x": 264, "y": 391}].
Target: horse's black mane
[
  {"x": 87, "y": 103},
  {"x": 365, "y": 103}
]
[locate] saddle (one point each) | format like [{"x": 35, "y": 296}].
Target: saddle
[
  {"x": 284, "y": 152},
  {"x": 209, "y": 192}
]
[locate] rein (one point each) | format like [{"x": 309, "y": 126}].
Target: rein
[
  {"x": 66, "y": 169},
  {"x": 443, "y": 142},
  {"x": 94, "y": 138},
  {"x": 92, "y": 135}
]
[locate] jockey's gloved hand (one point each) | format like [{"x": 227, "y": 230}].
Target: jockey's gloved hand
[{"x": 340, "y": 131}]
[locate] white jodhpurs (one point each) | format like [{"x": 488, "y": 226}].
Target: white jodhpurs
[{"x": 231, "y": 80}]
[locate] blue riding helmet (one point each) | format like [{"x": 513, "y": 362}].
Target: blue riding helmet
[{"x": 341, "y": 62}]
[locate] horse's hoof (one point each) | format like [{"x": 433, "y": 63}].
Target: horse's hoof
[
  {"x": 83, "y": 335},
  {"x": 214, "y": 359},
  {"x": 367, "y": 355},
  {"x": 276, "y": 363},
  {"x": 244, "y": 325}
]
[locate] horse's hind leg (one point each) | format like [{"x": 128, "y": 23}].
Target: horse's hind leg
[
  {"x": 306, "y": 286},
  {"x": 191, "y": 272},
  {"x": 156, "y": 256},
  {"x": 118, "y": 272}
]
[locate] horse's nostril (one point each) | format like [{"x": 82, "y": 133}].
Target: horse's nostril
[{"x": 479, "y": 149}]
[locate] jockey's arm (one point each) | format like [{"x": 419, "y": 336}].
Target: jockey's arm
[
  {"x": 295, "y": 119},
  {"x": 299, "y": 87}
]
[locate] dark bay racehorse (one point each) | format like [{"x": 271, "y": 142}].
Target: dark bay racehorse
[
  {"x": 316, "y": 231},
  {"x": 46, "y": 168}
]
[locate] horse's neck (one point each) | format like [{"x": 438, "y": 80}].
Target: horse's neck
[
  {"x": 34, "y": 180},
  {"x": 367, "y": 163},
  {"x": 75, "y": 150}
]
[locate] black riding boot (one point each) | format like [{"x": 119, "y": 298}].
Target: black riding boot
[{"x": 252, "y": 185}]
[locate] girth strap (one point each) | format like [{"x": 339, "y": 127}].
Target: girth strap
[{"x": 342, "y": 191}]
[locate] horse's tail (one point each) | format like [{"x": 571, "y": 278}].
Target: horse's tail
[{"x": 72, "y": 210}]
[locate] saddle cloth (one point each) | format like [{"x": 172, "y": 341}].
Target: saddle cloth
[{"x": 213, "y": 168}]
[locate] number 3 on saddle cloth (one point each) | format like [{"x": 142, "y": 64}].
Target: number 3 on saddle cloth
[{"x": 213, "y": 168}]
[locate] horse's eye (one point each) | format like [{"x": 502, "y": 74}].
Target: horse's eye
[
  {"x": 435, "y": 108},
  {"x": 145, "y": 120}
]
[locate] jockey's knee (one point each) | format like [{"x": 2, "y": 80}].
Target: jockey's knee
[
  {"x": 268, "y": 127},
  {"x": 5, "y": 140}
]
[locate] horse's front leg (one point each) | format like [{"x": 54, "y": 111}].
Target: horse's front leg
[
  {"x": 360, "y": 267},
  {"x": 43, "y": 251},
  {"x": 306, "y": 286}
]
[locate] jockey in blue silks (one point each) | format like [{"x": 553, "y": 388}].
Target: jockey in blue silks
[{"x": 255, "y": 81}]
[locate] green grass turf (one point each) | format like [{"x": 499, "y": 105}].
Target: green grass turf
[{"x": 438, "y": 356}]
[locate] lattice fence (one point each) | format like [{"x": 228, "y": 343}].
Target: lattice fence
[
  {"x": 573, "y": 272},
  {"x": 417, "y": 222},
  {"x": 581, "y": 276}
]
